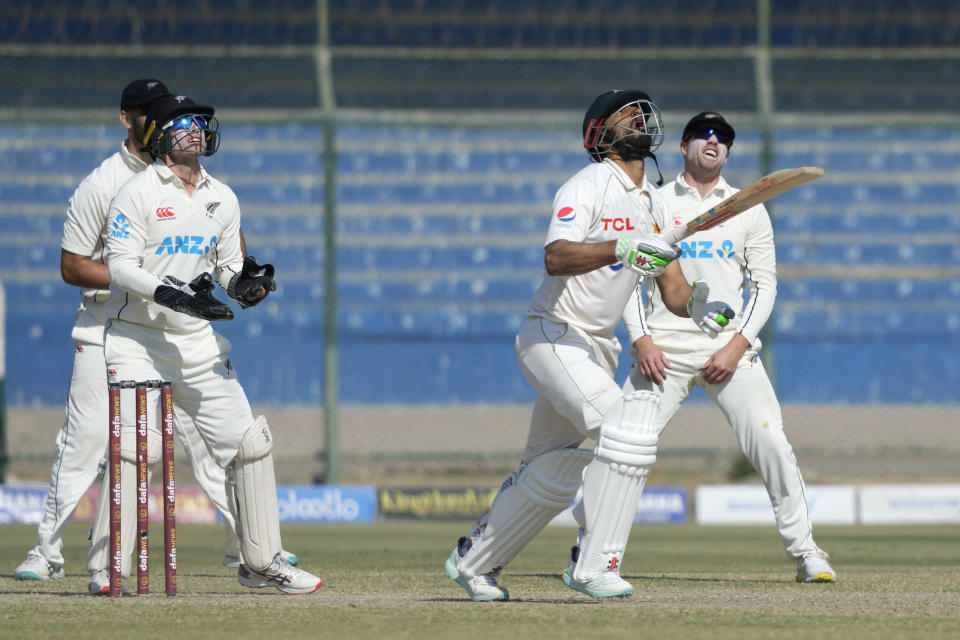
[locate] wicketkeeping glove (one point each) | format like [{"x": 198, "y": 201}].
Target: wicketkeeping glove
[
  {"x": 710, "y": 315},
  {"x": 648, "y": 255},
  {"x": 194, "y": 299},
  {"x": 251, "y": 278}
]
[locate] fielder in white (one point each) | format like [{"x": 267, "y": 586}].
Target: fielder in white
[
  {"x": 598, "y": 248},
  {"x": 171, "y": 227},
  {"x": 82, "y": 440},
  {"x": 673, "y": 357}
]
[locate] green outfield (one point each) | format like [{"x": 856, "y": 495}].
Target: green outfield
[{"x": 386, "y": 581}]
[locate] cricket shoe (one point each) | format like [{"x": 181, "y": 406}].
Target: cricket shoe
[
  {"x": 482, "y": 588},
  {"x": 607, "y": 584},
  {"x": 36, "y": 567},
  {"x": 604, "y": 585},
  {"x": 815, "y": 568},
  {"x": 99, "y": 583},
  {"x": 234, "y": 562},
  {"x": 288, "y": 579}
]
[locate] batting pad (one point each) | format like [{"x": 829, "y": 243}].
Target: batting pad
[
  {"x": 613, "y": 482},
  {"x": 98, "y": 557},
  {"x": 528, "y": 501},
  {"x": 252, "y": 495}
]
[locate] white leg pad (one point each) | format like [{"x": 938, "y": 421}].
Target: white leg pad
[
  {"x": 98, "y": 557},
  {"x": 613, "y": 482},
  {"x": 528, "y": 500},
  {"x": 252, "y": 494}
]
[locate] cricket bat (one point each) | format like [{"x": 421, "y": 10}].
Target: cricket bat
[{"x": 757, "y": 193}]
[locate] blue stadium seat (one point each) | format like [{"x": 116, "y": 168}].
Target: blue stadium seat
[{"x": 470, "y": 207}]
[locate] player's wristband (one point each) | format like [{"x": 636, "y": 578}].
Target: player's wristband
[{"x": 623, "y": 245}]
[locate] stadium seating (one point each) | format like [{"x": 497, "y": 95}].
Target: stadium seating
[
  {"x": 494, "y": 23},
  {"x": 439, "y": 236},
  {"x": 440, "y": 228}
]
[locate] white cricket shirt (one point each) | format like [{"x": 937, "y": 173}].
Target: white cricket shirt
[
  {"x": 599, "y": 203},
  {"x": 85, "y": 233},
  {"x": 740, "y": 248},
  {"x": 155, "y": 228}
]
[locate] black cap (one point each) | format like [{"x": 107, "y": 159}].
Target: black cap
[
  {"x": 705, "y": 120},
  {"x": 141, "y": 93},
  {"x": 603, "y": 106}
]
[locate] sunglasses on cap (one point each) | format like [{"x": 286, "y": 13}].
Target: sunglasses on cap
[
  {"x": 704, "y": 134},
  {"x": 185, "y": 122}
]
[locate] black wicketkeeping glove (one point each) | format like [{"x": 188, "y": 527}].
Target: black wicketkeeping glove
[
  {"x": 251, "y": 278},
  {"x": 194, "y": 299}
]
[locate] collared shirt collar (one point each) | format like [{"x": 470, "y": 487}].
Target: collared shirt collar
[
  {"x": 132, "y": 160},
  {"x": 721, "y": 189},
  {"x": 625, "y": 180},
  {"x": 167, "y": 175}
]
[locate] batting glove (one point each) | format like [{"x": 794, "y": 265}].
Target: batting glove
[
  {"x": 647, "y": 255},
  {"x": 710, "y": 315}
]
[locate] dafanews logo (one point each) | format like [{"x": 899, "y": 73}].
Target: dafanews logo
[
  {"x": 196, "y": 245},
  {"x": 121, "y": 228}
]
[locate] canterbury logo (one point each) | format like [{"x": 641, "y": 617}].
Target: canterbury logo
[{"x": 165, "y": 212}]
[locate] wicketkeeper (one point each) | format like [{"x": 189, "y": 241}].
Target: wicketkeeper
[{"x": 174, "y": 233}]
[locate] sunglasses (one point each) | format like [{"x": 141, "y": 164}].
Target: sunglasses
[
  {"x": 185, "y": 122},
  {"x": 704, "y": 134}
]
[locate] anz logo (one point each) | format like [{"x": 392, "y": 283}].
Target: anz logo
[
  {"x": 186, "y": 244},
  {"x": 121, "y": 228},
  {"x": 707, "y": 249}
]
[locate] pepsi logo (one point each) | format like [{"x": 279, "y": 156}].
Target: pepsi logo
[{"x": 566, "y": 214}]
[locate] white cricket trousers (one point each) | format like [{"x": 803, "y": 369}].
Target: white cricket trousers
[
  {"x": 79, "y": 448},
  {"x": 205, "y": 385},
  {"x": 748, "y": 401},
  {"x": 81, "y": 445},
  {"x": 572, "y": 372}
]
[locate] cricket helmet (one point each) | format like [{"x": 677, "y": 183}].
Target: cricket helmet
[
  {"x": 632, "y": 139},
  {"x": 173, "y": 113}
]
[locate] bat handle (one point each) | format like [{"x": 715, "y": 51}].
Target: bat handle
[{"x": 675, "y": 235}]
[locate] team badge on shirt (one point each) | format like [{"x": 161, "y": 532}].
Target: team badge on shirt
[
  {"x": 121, "y": 228},
  {"x": 211, "y": 207}
]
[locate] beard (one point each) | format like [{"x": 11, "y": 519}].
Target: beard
[
  {"x": 635, "y": 147},
  {"x": 138, "y": 134}
]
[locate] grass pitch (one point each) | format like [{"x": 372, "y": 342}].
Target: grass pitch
[{"x": 386, "y": 581}]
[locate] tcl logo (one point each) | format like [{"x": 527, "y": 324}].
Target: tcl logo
[
  {"x": 617, "y": 224},
  {"x": 164, "y": 212}
]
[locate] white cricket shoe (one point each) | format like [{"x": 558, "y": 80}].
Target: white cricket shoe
[
  {"x": 608, "y": 584},
  {"x": 99, "y": 583},
  {"x": 604, "y": 585},
  {"x": 482, "y": 588},
  {"x": 36, "y": 567},
  {"x": 815, "y": 568},
  {"x": 288, "y": 579},
  {"x": 234, "y": 562}
]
